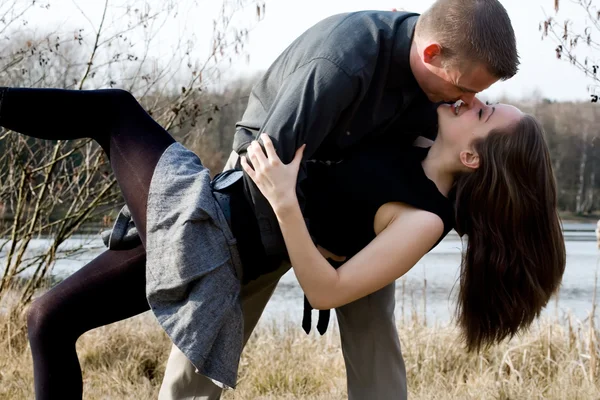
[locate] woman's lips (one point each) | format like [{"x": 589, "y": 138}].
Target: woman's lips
[{"x": 456, "y": 107}]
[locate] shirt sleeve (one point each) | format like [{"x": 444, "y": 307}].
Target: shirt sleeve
[{"x": 307, "y": 107}]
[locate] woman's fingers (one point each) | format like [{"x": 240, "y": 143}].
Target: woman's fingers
[
  {"x": 246, "y": 166},
  {"x": 253, "y": 156},
  {"x": 269, "y": 148},
  {"x": 298, "y": 157},
  {"x": 258, "y": 155},
  {"x": 275, "y": 180}
]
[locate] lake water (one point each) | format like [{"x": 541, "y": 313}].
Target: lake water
[{"x": 439, "y": 268}]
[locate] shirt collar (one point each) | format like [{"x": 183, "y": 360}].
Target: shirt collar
[{"x": 400, "y": 73}]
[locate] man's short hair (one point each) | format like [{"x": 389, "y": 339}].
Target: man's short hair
[{"x": 472, "y": 30}]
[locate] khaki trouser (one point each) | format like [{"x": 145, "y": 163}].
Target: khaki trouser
[{"x": 370, "y": 345}]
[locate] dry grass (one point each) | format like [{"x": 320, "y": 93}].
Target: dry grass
[
  {"x": 126, "y": 361},
  {"x": 120, "y": 361}
]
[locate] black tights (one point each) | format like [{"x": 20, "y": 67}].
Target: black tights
[{"x": 112, "y": 286}]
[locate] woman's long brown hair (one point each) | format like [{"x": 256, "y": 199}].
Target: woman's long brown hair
[{"x": 515, "y": 256}]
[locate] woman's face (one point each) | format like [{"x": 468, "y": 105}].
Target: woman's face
[{"x": 460, "y": 126}]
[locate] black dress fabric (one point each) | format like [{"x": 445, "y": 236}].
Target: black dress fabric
[{"x": 343, "y": 198}]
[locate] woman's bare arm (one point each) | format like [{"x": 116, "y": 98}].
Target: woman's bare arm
[
  {"x": 395, "y": 250},
  {"x": 404, "y": 235}
]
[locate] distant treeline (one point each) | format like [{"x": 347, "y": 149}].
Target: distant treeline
[{"x": 572, "y": 129}]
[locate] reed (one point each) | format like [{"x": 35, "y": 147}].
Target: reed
[{"x": 126, "y": 360}]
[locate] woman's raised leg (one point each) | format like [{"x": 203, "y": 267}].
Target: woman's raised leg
[
  {"x": 108, "y": 289},
  {"x": 132, "y": 140},
  {"x": 112, "y": 286}
]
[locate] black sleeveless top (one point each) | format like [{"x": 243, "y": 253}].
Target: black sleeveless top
[
  {"x": 341, "y": 202},
  {"x": 342, "y": 198}
]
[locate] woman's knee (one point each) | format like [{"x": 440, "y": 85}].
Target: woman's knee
[
  {"x": 121, "y": 101},
  {"x": 43, "y": 318},
  {"x": 119, "y": 95}
]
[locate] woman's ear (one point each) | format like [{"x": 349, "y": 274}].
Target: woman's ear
[{"x": 469, "y": 158}]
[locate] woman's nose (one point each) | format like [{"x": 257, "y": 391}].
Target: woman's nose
[{"x": 470, "y": 100}]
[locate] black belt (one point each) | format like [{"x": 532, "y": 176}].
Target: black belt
[
  {"x": 222, "y": 185},
  {"x": 324, "y": 315},
  {"x": 224, "y": 200}
]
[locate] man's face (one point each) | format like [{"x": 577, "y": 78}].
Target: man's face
[{"x": 450, "y": 83}]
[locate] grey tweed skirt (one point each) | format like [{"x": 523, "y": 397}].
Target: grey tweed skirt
[{"x": 193, "y": 268}]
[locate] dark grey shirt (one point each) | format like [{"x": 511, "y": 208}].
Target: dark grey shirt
[{"x": 345, "y": 80}]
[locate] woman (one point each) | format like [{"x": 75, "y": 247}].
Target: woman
[
  {"x": 493, "y": 157},
  {"x": 495, "y": 160}
]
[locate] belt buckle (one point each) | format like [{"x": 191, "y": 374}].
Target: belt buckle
[
  {"x": 226, "y": 179},
  {"x": 223, "y": 201}
]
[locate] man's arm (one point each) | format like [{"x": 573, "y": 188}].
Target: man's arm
[
  {"x": 306, "y": 109},
  {"x": 387, "y": 258}
]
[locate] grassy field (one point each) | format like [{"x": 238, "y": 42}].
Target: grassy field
[{"x": 126, "y": 360}]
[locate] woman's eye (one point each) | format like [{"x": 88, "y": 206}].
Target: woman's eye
[{"x": 480, "y": 113}]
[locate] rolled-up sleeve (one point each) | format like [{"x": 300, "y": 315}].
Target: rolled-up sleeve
[{"x": 306, "y": 109}]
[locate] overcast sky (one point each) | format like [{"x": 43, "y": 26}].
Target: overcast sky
[{"x": 286, "y": 19}]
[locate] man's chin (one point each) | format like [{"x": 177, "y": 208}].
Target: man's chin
[{"x": 434, "y": 98}]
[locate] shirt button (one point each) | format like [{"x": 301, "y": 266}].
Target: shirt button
[{"x": 348, "y": 133}]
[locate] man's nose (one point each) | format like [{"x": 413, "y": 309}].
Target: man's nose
[{"x": 469, "y": 99}]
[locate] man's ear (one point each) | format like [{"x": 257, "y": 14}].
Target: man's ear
[
  {"x": 470, "y": 159},
  {"x": 432, "y": 53}
]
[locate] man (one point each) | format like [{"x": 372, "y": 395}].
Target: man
[{"x": 349, "y": 79}]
